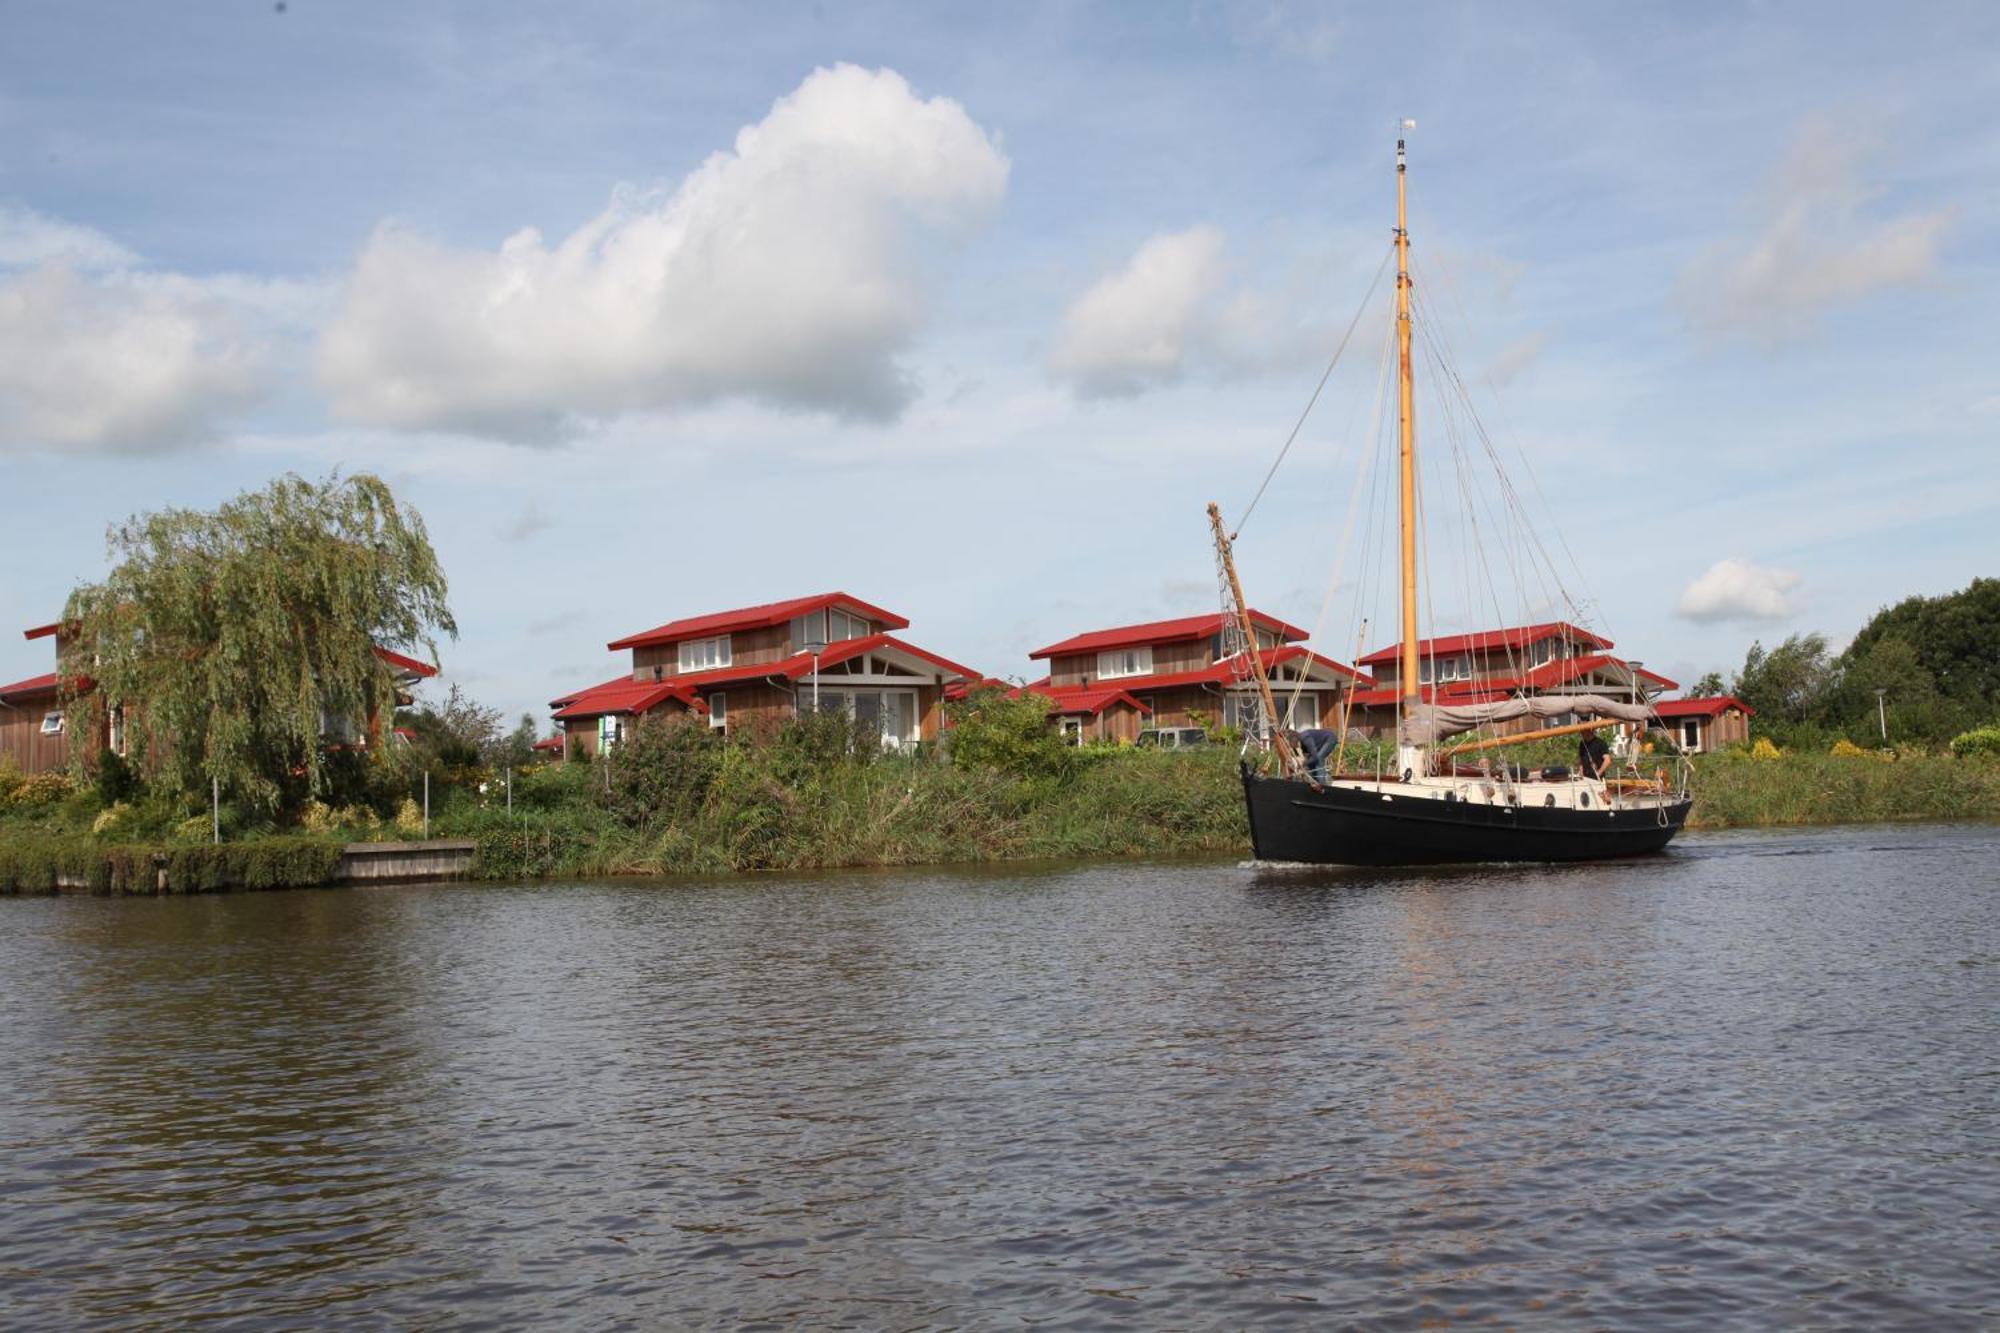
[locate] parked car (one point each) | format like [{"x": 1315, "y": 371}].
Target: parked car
[{"x": 1173, "y": 738}]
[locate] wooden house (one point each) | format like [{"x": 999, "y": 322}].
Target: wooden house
[
  {"x": 753, "y": 667},
  {"x": 36, "y": 732},
  {"x": 1494, "y": 665},
  {"x": 1110, "y": 684},
  {"x": 1702, "y": 725}
]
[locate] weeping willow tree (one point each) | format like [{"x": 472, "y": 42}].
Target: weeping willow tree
[{"x": 231, "y": 638}]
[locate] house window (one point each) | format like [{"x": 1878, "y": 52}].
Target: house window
[
  {"x": 1691, "y": 734},
  {"x": 1072, "y": 730},
  {"x": 52, "y": 723},
  {"x": 718, "y": 711},
  {"x": 704, "y": 654},
  {"x": 1125, "y": 662},
  {"x": 840, "y": 625},
  {"x": 610, "y": 731},
  {"x": 1542, "y": 652},
  {"x": 1453, "y": 668},
  {"x": 1302, "y": 711}
]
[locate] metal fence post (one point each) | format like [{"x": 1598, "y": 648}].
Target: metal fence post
[{"x": 215, "y": 806}]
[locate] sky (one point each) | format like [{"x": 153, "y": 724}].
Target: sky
[{"x": 654, "y": 310}]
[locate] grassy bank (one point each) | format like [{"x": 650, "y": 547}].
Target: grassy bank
[{"x": 689, "y": 805}]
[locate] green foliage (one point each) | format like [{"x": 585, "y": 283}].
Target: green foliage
[
  {"x": 1789, "y": 683},
  {"x": 665, "y": 769},
  {"x": 993, "y": 732},
  {"x": 1710, "y": 686},
  {"x": 454, "y": 738},
  {"x": 42, "y": 865},
  {"x": 1734, "y": 789},
  {"x": 235, "y": 632},
  {"x": 116, "y": 782},
  {"x": 1954, "y": 638},
  {"x": 1981, "y": 742}
]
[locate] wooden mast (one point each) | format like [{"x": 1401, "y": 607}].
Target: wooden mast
[
  {"x": 1407, "y": 418},
  {"x": 1228, "y": 558}
]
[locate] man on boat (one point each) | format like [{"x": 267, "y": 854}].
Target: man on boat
[{"x": 1593, "y": 756}]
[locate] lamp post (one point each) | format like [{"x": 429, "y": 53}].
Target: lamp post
[
  {"x": 1882, "y": 711},
  {"x": 815, "y": 646}
]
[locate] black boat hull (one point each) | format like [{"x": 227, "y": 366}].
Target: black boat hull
[{"x": 1292, "y": 821}]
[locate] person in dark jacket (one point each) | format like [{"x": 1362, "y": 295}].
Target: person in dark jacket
[{"x": 1593, "y": 756}]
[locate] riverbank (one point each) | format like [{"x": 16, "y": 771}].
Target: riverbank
[{"x": 753, "y": 812}]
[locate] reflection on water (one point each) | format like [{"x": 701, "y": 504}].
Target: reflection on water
[{"x": 1751, "y": 1083}]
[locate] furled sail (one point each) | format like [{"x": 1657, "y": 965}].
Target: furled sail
[{"x": 1430, "y": 723}]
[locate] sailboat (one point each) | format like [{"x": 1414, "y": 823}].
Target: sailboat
[{"x": 1443, "y": 803}]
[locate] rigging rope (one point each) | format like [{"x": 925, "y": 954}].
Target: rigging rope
[{"x": 1317, "y": 390}]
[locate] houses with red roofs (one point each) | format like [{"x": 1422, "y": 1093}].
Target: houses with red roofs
[
  {"x": 1112, "y": 684},
  {"x": 752, "y": 667},
  {"x": 1489, "y": 666},
  {"x": 1702, "y": 725}
]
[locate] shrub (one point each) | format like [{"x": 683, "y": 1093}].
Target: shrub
[
  {"x": 1981, "y": 741},
  {"x": 43, "y": 789},
  {"x": 410, "y": 818},
  {"x": 1764, "y": 750},
  {"x": 665, "y": 769},
  {"x": 116, "y": 782},
  {"x": 1847, "y": 749},
  {"x": 994, "y": 731}
]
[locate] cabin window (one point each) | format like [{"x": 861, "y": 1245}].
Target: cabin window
[
  {"x": 1125, "y": 662},
  {"x": 705, "y": 654},
  {"x": 840, "y": 625},
  {"x": 1542, "y": 652},
  {"x": 718, "y": 711},
  {"x": 1691, "y": 734},
  {"x": 1302, "y": 712},
  {"x": 52, "y": 723},
  {"x": 1072, "y": 730}
]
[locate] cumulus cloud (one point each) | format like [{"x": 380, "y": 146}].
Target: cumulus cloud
[
  {"x": 1170, "y": 312},
  {"x": 789, "y": 270},
  {"x": 28, "y": 238},
  {"x": 120, "y": 362},
  {"x": 1738, "y": 590},
  {"x": 1811, "y": 247}
]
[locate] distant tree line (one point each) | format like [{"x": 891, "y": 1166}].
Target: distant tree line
[{"x": 1937, "y": 659}]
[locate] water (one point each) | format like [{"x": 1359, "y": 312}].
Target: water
[{"x": 1752, "y": 1083}]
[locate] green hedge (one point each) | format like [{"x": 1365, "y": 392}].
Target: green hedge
[{"x": 36, "y": 865}]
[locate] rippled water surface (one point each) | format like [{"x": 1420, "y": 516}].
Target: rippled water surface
[{"x": 1754, "y": 1082}]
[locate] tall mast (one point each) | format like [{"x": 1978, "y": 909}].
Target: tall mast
[{"x": 1407, "y": 418}]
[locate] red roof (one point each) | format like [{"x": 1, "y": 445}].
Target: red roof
[
  {"x": 621, "y": 693},
  {"x": 41, "y": 631},
  {"x": 548, "y": 743},
  {"x": 754, "y": 617},
  {"x": 33, "y": 685},
  {"x": 626, "y": 695},
  {"x": 1519, "y": 636},
  {"x": 1088, "y": 700},
  {"x": 1222, "y": 673},
  {"x": 1565, "y": 669},
  {"x": 1701, "y": 707},
  {"x": 409, "y": 664},
  {"x": 1160, "y": 631}
]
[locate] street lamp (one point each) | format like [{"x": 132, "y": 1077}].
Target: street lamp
[
  {"x": 1882, "y": 711},
  {"x": 815, "y": 646}
]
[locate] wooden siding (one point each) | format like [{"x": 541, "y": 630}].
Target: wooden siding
[
  {"x": 21, "y": 739},
  {"x": 1185, "y": 706}
]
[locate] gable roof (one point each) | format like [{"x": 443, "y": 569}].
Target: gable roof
[
  {"x": 29, "y": 688},
  {"x": 753, "y": 617},
  {"x": 1488, "y": 640},
  {"x": 1711, "y": 707},
  {"x": 1087, "y": 701},
  {"x": 622, "y": 694},
  {"x": 1160, "y": 631}
]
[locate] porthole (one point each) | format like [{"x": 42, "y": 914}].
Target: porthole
[{"x": 1583, "y": 799}]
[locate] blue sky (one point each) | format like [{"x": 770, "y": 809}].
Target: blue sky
[{"x": 658, "y": 310}]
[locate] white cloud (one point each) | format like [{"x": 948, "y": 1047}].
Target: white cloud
[
  {"x": 788, "y": 270},
  {"x": 1172, "y": 311},
  {"x": 1810, "y": 249},
  {"x": 121, "y": 362},
  {"x": 1738, "y": 590},
  {"x": 28, "y": 238}
]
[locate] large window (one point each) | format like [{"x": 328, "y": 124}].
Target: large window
[
  {"x": 1125, "y": 662},
  {"x": 704, "y": 654},
  {"x": 893, "y": 713}
]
